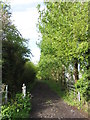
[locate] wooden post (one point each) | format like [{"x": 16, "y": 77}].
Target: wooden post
[
  {"x": 24, "y": 90},
  {"x": 79, "y": 96},
  {"x": 6, "y": 94}
]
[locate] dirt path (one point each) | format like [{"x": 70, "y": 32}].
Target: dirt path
[{"x": 46, "y": 104}]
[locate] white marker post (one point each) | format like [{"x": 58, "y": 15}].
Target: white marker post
[
  {"x": 6, "y": 94},
  {"x": 24, "y": 90},
  {"x": 79, "y": 96}
]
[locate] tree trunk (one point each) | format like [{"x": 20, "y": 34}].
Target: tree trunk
[
  {"x": 63, "y": 76},
  {"x": 76, "y": 70}
]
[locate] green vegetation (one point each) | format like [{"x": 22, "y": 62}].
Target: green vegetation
[
  {"x": 56, "y": 86},
  {"x": 16, "y": 66},
  {"x": 64, "y": 38},
  {"x": 65, "y": 47},
  {"x": 29, "y": 74},
  {"x": 14, "y": 51},
  {"x": 18, "y": 108}
]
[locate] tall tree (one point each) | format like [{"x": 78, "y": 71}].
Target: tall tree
[
  {"x": 14, "y": 51},
  {"x": 64, "y": 29}
]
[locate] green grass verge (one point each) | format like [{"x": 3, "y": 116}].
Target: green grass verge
[{"x": 55, "y": 86}]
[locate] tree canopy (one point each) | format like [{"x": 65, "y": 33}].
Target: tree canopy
[
  {"x": 64, "y": 29},
  {"x": 15, "y": 51}
]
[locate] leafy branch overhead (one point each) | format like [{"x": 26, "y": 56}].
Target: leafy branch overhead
[{"x": 64, "y": 29}]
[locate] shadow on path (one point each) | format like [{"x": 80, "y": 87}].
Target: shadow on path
[{"x": 47, "y": 104}]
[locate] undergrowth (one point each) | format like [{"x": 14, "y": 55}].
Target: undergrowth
[{"x": 18, "y": 108}]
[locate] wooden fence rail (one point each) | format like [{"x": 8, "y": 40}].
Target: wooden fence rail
[{"x": 71, "y": 88}]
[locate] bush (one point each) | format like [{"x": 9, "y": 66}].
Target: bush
[
  {"x": 82, "y": 86},
  {"x": 18, "y": 108}
]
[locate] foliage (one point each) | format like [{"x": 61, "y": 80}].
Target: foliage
[
  {"x": 64, "y": 45},
  {"x": 29, "y": 74},
  {"x": 64, "y": 29},
  {"x": 15, "y": 53},
  {"x": 18, "y": 108},
  {"x": 82, "y": 86}
]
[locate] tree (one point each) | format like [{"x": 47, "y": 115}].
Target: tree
[
  {"x": 14, "y": 51},
  {"x": 64, "y": 29}
]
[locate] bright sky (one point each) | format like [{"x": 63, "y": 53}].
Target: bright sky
[{"x": 25, "y": 16}]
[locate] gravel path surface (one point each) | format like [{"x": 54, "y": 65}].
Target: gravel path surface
[{"x": 47, "y": 104}]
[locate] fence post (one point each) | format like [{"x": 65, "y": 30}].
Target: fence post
[
  {"x": 6, "y": 94},
  {"x": 79, "y": 96},
  {"x": 24, "y": 90}
]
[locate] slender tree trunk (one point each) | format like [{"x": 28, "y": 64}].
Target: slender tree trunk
[
  {"x": 63, "y": 76},
  {"x": 76, "y": 70}
]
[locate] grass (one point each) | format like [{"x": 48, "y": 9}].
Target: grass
[{"x": 55, "y": 86}]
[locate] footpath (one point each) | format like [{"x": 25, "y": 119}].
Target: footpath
[{"x": 47, "y": 104}]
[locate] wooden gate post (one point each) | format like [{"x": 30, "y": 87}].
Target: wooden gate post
[
  {"x": 79, "y": 96},
  {"x": 24, "y": 90},
  {"x": 6, "y": 94}
]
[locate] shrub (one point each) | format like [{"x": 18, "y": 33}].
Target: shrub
[
  {"x": 82, "y": 86},
  {"x": 29, "y": 73},
  {"x": 17, "y": 108}
]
